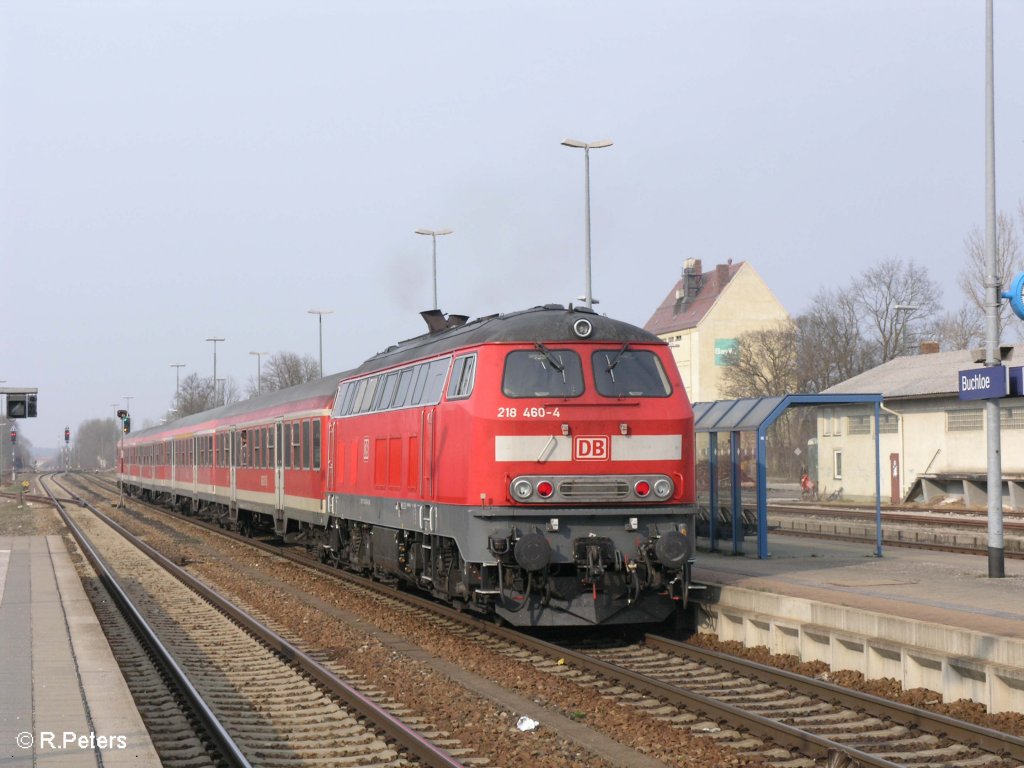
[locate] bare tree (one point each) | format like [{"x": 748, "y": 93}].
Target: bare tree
[
  {"x": 894, "y": 299},
  {"x": 284, "y": 369},
  {"x": 1009, "y": 261},
  {"x": 963, "y": 329},
  {"x": 765, "y": 365},
  {"x": 830, "y": 347},
  {"x": 196, "y": 394}
]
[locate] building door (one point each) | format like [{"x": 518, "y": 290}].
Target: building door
[{"x": 894, "y": 473}]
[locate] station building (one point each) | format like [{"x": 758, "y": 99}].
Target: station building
[
  {"x": 703, "y": 316},
  {"x": 932, "y": 444}
]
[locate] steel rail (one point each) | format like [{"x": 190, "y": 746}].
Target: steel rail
[
  {"x": 780, "y": 733},
  {"x": 930, "y": 722},
  {"x": 423, "y": 749},
  {"x": 226, "y": 745}
]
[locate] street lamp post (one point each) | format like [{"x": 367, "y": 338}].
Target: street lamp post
[
  {"x": 434, "y": 234},
  {"x": 320, "y": 313},
  {"x": 588, "y": 297},
  {"x": 909, "y": 309},
  {"x": 215, "y": 339},
  {"x": 259, "y": 371},
  {"x": 177, "y": 380}
]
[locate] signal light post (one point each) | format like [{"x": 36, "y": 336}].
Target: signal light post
[{"x": 126, "y": 426}]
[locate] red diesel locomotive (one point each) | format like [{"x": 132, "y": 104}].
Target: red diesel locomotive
[{"x": 536, "y": 466}]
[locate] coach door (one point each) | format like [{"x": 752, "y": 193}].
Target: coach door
[
  {"x": 279, "y": 465},
  {"x": 195, "y": 466},
  {"x": 233, "y": 463},
  {"x": 427, "y": 416}
]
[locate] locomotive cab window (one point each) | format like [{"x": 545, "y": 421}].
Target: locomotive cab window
[
  {"x": 463, "y": 376},
  {"x": 626, "y": 372},
  {"x": 542, "y": 372}
]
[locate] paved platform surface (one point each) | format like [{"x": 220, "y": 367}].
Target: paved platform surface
[
  {"x": 941, "y": 588},
  {"x": 63, "y": 700}
]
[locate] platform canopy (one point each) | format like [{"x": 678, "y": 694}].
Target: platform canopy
[{"x": 757, "y": 414}]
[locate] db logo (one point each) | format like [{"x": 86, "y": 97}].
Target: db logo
[{"x": 590, "y": 448}]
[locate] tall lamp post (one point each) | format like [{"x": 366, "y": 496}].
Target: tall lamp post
[
  {"x": 177, "y": 379},
  {"x": 994, "y": 476},
  {"x": 588, "y": 297},
  {"x": 215, "y": 339},
  {"x": 320, "y": 313},
  {"x": 909, "y": 309},
  {"x": 434, "y": 234},
  {"x": 259, "y": 371}
]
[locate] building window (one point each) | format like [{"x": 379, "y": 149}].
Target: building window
[
  {"x": 826, "y": 422},
  {"x": 888, "y": 424},
  {"x": 1011, "y": 418},
  {"x": 860, "y": 425},
  {"x": 837, "y": 465},
  {"x": 964, "y": 420}
]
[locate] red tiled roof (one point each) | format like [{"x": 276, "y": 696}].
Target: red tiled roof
[{"x": 674, "y": 315}]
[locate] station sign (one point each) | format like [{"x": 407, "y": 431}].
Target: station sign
[
  {"x": 1017, "y": 381},
  {"x": 982, "y": 383}
]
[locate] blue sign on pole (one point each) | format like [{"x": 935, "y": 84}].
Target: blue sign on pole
[
  {"x": 982, "y": 383},
  {"x": 1016, "y": 381}
]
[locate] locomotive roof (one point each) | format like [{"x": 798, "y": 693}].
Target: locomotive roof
[{"x": 551, "y": 323}]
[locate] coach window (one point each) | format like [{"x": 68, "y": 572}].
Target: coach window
[
  {"x": 305, "y": 444},
  {"x": 387, "y": 392},
  {"x": 344, "y": 392},
  {"x": 431, "y": 382},
  {"x": 286, "y": 445},
  {"x": 542, "y": 372},
  {"x": 316, "y": 444},
  {"x": 404, "y": 381},
  {"x": 296, "y": 447},
  {"x": 626, "y": 372},
  {"x": 271, "y": 435},
  {"x": 463, "y": 375},
  {"x": 367, "y": 401}
]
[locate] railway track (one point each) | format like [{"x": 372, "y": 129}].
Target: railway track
[
  {"x": 261, "y": 699},
  {"x": 760, "y": 712}
]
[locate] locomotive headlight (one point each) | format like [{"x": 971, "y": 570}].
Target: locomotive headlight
[
  {"x": 663, "y": 488},
  {"x": 522, "y": 489}
]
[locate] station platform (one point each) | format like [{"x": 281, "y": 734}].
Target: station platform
[
  {"x": 63, "y": 700},
  {"x": 927, "y": 618}
]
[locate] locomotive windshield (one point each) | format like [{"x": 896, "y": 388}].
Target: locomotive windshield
[
  {"x": 543, "y": 372},
  {"x": 626, "y": 372}
]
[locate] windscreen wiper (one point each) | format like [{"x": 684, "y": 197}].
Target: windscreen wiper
[
  {"x": 550, "y": 357},
  {"x": 615, "y": 360}
]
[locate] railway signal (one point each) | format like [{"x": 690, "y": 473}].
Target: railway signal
[
  {"x": 14, "y": 436},
  {"x": 126, "y": 421},
  {"x": 67, "y": 435}
]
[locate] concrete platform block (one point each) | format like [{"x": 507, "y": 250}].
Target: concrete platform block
[
  {"x": 965, "y": 679},
  {"x": 848, "y": 653},
  {"x": 1006, "y": 690},
  {"x": 758, "y": 632},
  {"x": 785, "y": 640},
  {"x": 816, "y": 645},
  {"x": 922, "y": 671},
  {"x": 883, "y": 660}
]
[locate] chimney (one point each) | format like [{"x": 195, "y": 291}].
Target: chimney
[
  {"x": 722, "y": 275},
  {"x": 929, "y": 347},
  {"x": 692, "y": 282}
]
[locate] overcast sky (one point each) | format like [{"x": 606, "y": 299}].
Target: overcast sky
[{"x": 179, "y": 170}]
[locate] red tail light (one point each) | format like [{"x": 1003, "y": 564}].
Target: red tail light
[
  {"x": 642, "y": 488},
  {"x": 545, "y": 489}
]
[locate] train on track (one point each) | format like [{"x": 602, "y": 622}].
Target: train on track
[{"x": 536, "y": 466}]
